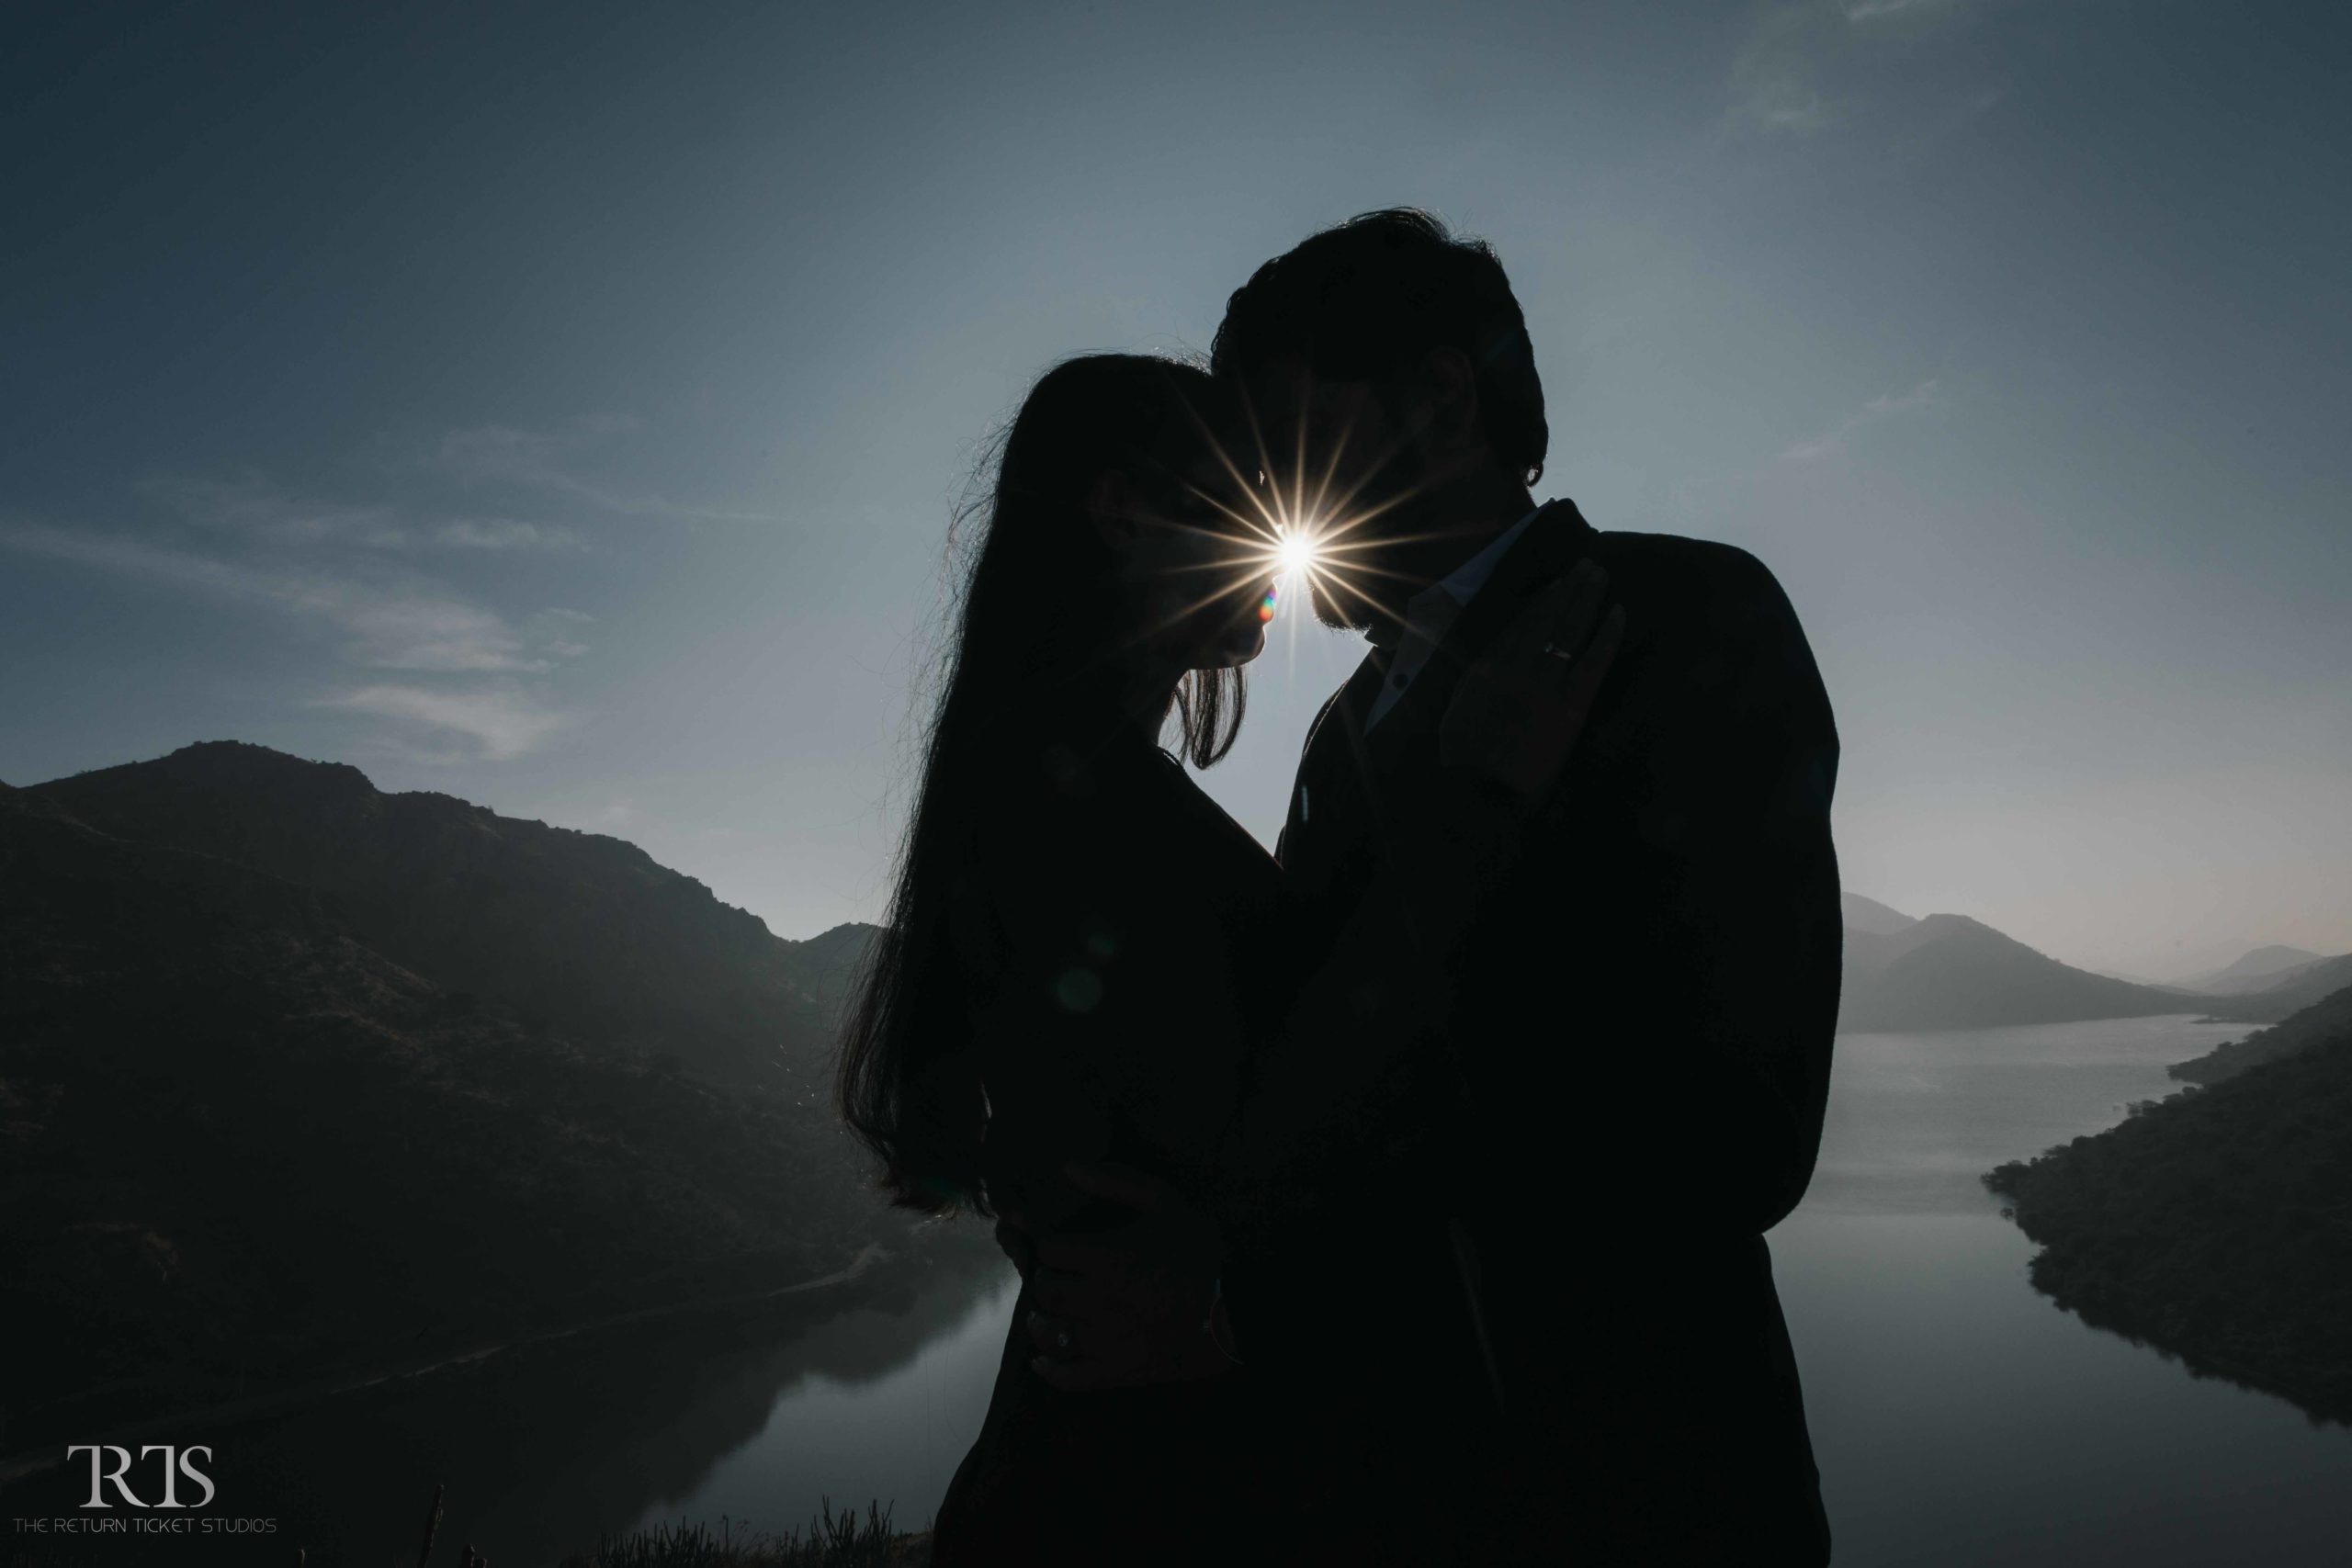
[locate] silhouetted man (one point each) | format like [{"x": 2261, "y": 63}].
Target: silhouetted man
[{"x": 1545, "y": 1311}]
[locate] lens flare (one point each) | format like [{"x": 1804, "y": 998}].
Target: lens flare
[
  {"x": 1295, "y": 552},
  {"x": 1292, "y": 525}
]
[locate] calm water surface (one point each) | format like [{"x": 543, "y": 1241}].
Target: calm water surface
[{"x": 1959, "y": 1417}]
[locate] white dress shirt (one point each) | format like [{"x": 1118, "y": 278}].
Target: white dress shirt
[{"x": 1431, "y": 613}]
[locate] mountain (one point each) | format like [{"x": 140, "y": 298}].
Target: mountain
[
  {"x": 2284, "y": 994},
  {"x": 1949, "y": 972},
  {"x": 581, "y": 933},
  {"x": 2323, "y": 1020},
  {"x": 826, "y": 965},
  {"x": 2131, "y": 977},
  {"x": 2255, "y": 970},
  {"x": 1870, "y": 915},
  {"x": 2216, "y": 1224},
  {"x": 243, "y": 1146}
]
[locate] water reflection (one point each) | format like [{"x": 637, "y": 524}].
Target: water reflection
[
  {"x": 543, "y": 1447},
  {"x": 1959, "y": 1417},
  {"x": 898, "y": 1438}
]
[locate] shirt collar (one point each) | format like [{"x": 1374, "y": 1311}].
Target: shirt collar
[
  {"x": 1430, "y": 614},
  {"x": 1463, "y": 584},
  {"x": 1450, "y": 594}
]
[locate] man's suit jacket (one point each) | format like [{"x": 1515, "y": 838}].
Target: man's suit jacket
[{"x": 1557, "y": 1282}]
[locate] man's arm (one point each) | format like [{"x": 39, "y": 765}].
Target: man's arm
[
  {"x": 1692, "y": 929},
  {"x": 1344, "y": 1083}
]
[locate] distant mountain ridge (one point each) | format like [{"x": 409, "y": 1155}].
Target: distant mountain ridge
[
  {"x": 1874, "y": 919},
  {"x": 586, "y": 933},
  {"x": 2254, "y": 970},
  {"x": 2286, "y": 994},
  {"x": 1950, "y": 972}
]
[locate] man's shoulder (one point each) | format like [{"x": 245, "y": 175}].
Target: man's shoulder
[
  {"x": 1703, "y": 587},
  {"x": 1674, "y": 557}
]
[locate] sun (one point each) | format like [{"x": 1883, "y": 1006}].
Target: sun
[
  {"x": 1287, "y": 530},
  {"x": 1294, "y": 551}
]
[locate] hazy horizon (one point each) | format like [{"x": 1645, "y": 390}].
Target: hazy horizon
[{"x": 565, "y": 413}]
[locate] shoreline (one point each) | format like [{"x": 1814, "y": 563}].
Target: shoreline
[{"x": 862, "y": 1265}]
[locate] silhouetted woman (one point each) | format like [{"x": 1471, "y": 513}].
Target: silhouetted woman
[{"x": 1084, "y": 953}]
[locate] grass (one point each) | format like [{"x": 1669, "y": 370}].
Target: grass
[{"x": 831, "y": 1541}]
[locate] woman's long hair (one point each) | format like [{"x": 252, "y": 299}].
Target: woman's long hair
[{"x": 1036, "y": 651}]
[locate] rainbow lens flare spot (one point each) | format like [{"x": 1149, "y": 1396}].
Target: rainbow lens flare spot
[{"x": 1266, "y": 607}]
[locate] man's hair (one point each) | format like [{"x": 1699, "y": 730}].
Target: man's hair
[{"x": 1366, "y": 300}]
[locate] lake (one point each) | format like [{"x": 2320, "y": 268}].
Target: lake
[{"x": 1958, "y": 1416}]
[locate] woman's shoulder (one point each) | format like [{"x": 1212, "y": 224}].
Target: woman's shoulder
[
  {"x": 1199, "y": 813},
  {"x": 1096, "y": 814},
  {"x": 1122, "y": 855}
]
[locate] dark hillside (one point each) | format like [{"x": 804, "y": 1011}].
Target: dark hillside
[
  {"x": 2322, "y": 1020},
  {"x": 241, "y": 1147},
  {"x": 2216, "y": 1224}
]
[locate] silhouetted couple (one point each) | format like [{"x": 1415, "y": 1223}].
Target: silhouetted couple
[{"x": 1401, "y": 1196}]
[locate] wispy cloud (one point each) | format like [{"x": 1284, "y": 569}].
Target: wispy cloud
[
  {"x": 502, "y": 723},
  {"x": 1883, "y": 407},
  {"x": 558, "y": 632},
  {"x": 1870, "y": 10},
  {"x": 1773, "y": 75},
  {"x": 253, "y": 507},
  {"x": 391, "y": 623},
  {"x": 558, "y": 462},
  {"x": 369, "y": 584},
  {"x": 385, "y": 618},
  {"x": 1803, "y": 65},
  {"x": 503, "y": 533}
]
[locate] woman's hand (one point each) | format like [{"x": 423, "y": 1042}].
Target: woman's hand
[
  {"x": 1132, "y": 1304},
  {"x": 1520, "y": 708}
]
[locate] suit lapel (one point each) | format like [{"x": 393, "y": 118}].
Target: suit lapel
[
  {"x": 1551, "y": 545},
  {"x": 1335, "y": 805}
]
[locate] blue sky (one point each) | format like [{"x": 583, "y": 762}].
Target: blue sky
[{"x": 561, "y": 407}]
